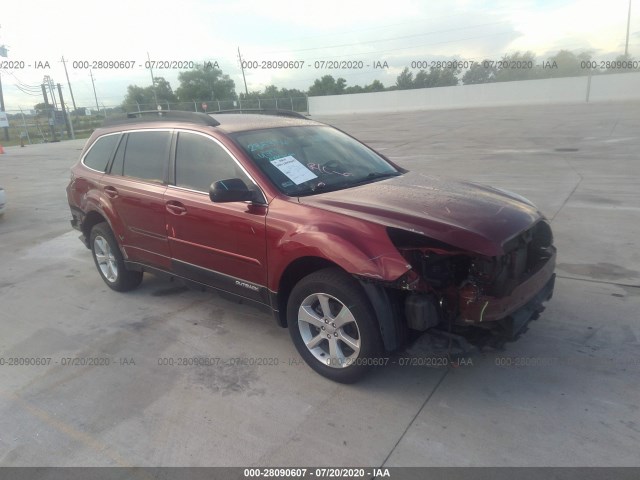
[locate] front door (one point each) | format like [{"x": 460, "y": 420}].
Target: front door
[{"x": 219, "y": 244}]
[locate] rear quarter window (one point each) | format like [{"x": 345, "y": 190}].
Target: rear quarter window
[{"x": 101, "y": 152}]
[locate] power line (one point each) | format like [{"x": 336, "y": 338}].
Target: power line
[
  {"x": 21, "y": 83},
  {"x": 348, "y": 32},
  {"x": 403, "y": 24},
  {"x": 415, "y": 46},
  {"x": 26, "y": 92},
  {"x": 26, "y": 89},
  {"x": 391, "y": 38}
]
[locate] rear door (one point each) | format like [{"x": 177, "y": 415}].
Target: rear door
[
  {"x": 218, "y": 244},
  {"x": 135, "y": 186}
]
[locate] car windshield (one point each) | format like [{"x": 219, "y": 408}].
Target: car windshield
[{"x": 312, "y": 159}]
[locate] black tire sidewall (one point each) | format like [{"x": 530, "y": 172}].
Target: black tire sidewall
[{"x": 340, "y": 285}]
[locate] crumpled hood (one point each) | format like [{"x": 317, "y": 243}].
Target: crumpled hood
[{"x": 462, "y": 214}]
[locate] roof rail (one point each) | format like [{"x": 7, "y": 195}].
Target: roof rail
[
  {"x": 162, "y": 116},
  {"x": 264, "y": 111}
]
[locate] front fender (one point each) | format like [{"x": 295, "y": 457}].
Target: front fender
[{"x": 365, "y": 251}]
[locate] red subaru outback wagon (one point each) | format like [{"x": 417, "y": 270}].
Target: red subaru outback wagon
[{"x": 349, "y": 251}]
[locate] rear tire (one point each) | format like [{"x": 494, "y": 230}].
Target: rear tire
[
  {"x": 333, "y": 326},
  {"x": 109, "y": 261}
]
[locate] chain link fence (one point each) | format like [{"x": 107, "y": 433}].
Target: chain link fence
[{"x": 28, "y": 126}]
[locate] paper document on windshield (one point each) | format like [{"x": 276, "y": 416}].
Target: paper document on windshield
[{"x": 293, "y": 169}]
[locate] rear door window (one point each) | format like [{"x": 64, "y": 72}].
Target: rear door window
[{"x": 146, "y": 155}]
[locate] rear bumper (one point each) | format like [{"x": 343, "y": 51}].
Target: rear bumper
[
  {"x": 511, "y": 313},
  {"x": 77, "y": 217}
]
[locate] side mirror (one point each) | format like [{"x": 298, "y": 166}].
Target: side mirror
[{"x": 230, "y": 190}]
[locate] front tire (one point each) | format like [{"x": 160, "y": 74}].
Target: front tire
[
  {"x": 109, "y": 260},
  {"x": 333, "y": 326}
]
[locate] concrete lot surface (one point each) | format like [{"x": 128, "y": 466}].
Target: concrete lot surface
[{"x": 566, "y": 394}]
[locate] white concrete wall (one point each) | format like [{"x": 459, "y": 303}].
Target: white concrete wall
[
  {"x": 615, "y": 87},
  {"x": 619, "y": 86}
]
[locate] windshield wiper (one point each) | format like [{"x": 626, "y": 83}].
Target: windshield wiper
[
  {"x": 322, "y": 187},
  {"x": 376, "y": 176}
]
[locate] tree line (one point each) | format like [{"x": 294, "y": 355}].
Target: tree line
[{"x": 212, "y": 84}]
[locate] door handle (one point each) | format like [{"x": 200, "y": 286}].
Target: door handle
[
  {"x": 110, "y": 191},
  {"x": 176, "y": 208}
]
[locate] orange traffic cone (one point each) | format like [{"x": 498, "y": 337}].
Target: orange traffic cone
[{"x": 1, "y": 149}]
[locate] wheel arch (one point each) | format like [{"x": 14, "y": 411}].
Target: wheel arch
[
  {"x": 91, "y": 219},
  {"x": 292, "y": 274},
  {"x": 381, "y": 300}
]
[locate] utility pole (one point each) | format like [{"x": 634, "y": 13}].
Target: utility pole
[
  {"x": 73, "y": 100},
  {"x": 48, "y": 108},
  {"x": 70, "y": 133},
  {"x": 49, "y": 82},
  {"x": 626, "y": 45},
  {"x": 246, "y": 90},
  {"x": 153, "y": 81},
  {"x": 3, "y": 53},
  {"x": 94, "y": 91},
  {"x": 6, "y": 129}
]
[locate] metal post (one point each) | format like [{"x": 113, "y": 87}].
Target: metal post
[
  {"x": 6, "y": 129},
  {"x": 35, "y": 121},
  {"x": 48, "y": 108},
  {"x": 246, "y": 90},
  {"x": 73, "y": 100},
  {"x": 218, "y": 104},
  {"x": 3, "y": 53},
  {"x": 94, "y": 91},
  {"x": 626, "y": 45},
  {"x": 25, "y": 126},
  {"x": 70, "y": 133},
  {"x": 49, "y": 81},
  {"x": 588, "y": 86},
  {"x": 153, "y": 82}
]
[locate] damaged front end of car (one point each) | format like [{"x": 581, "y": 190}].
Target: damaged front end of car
[{"x": 468, "y": 293}]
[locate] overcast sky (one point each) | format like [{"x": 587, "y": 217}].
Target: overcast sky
[{"x": 397, "y": 32}]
